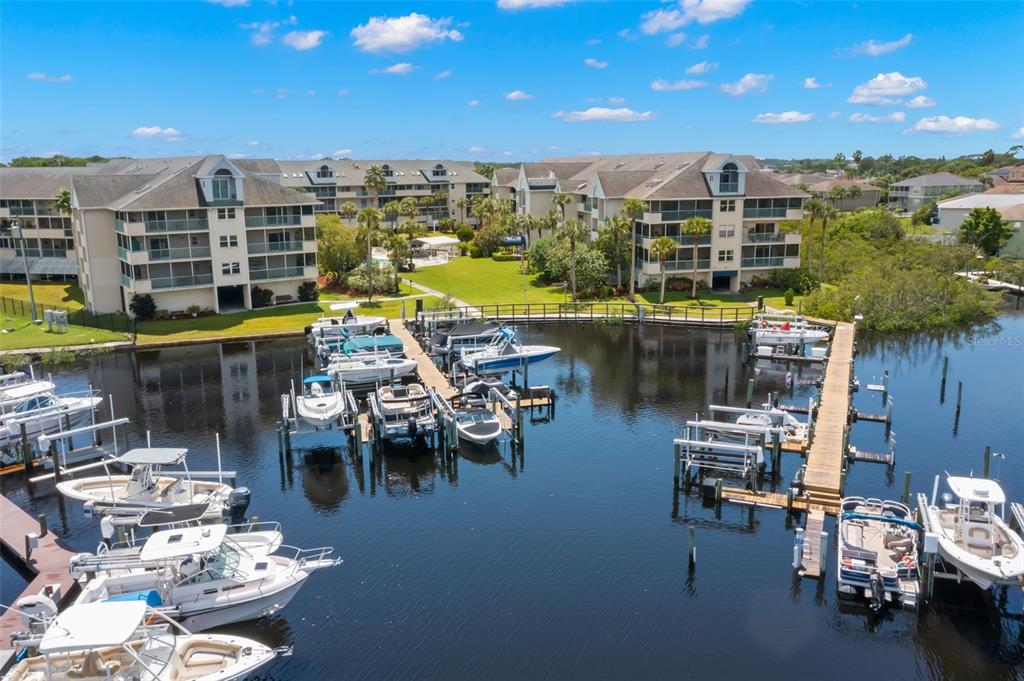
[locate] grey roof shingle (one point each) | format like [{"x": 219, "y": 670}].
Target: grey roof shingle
[
  {"x": 935, "y": 180},
  {"x": 506, "y": 177},
  {"x": 99, "y": 191}
]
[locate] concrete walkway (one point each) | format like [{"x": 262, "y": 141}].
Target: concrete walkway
[
  {"x": 439, "y": 294},
  {"x": 113, "y": 345}
]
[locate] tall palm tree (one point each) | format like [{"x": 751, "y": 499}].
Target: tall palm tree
[
  {"x": 854, "y": 191},
  {"x": 461, "y": 205},
  {"x": 409, "y": 227},
  {"x": 695, "y": 227},
  {"x": 549, "y": 221},
  {"x": 814, "y": 209},
  {"x": 663, "y": 247},
  {"x": 62, "y": 201},
  {"x": 391, "y": 209},
  {"x": 375, "y": 182},
  {"x": 828, "y": 213},
  {"x": 634, "y": 208},
  {"x": 398, "y": 250},
  {"x": 573, "y": 231},
  {"x": 618, "y": 230},
  {"x": 483, "y": 210},
  {"x": 559, "y": 201},
  {"x": 348, "y": 210},
  {"x": 836, "y": 195},
  {"x": 369, "y": 220}
]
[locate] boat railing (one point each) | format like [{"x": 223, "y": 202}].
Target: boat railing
[
  {"x": 303, "y": 557},
  {"x": 591, "y": 311},
  {"x": 15, "y": 417}
]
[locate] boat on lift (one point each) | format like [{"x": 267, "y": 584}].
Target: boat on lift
[
  {"x": 369, "y": 367},
  {"x": 973, "y": 536},
  {"x": 785, "y": 330},
  {"x": 773, "y": 417},
  {"x": 463, "y": 335},
  {"x": 475, "y": 422},
  {"x": 404, "y": 411},
  {"x": 329, "y": 348},
  {"x": 147, "y": 486},
  {"x": 117, "y": 641},
  {"x": 505, "y": 353},
  {"x": 321, "y": 403},
  {"x": 347, "y": 326},
  {"x": 44, "y": 412},
  {"x": 878, "y": 549}
]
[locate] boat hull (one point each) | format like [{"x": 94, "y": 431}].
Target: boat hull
[
  {"x": 983, "y": 572},
  {"x": 360, "y": 375},
  {"x": 105, "y": 494},
  {"x": 776, "y": 337},
  {"x": 320, "y": 412},
  {"x": 54, "y": 421},
  {"x": 502, "y": 364},
  {"x": 197, "y": 618}
]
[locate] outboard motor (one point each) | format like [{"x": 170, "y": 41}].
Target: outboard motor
[
  {"x": 412, "y": 427},
  {"x": 307, "y": 330},
  {"x": 238, "y": 502},
  {"x": 877, "y": 591}
]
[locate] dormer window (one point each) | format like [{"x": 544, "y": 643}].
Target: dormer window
[
  {"x": 439, "y": 171},
  {"x": 222, "y": 185},
  {"x": 386, "y": 169},
  {"x": 729, "y": 181},
  {"x": 324, "y": 172}
]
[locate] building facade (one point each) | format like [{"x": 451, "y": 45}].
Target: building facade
[
  {"x": 744, "y": 205},
  {"x": 911, "y": 194},
  {"x": 868, "y": 196}
]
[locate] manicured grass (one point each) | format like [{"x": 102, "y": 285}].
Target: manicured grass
[
  {"x": 255, "y": 322},
  {"x": 65, "y": 294},
  {"x": 403, "y": 290},
  {"x": 482, "y": 280},
  {"x": 28, "y": 335}
]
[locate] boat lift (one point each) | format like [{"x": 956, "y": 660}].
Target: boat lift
[{"x": 693, "y": 457}]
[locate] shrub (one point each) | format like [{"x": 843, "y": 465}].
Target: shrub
[
  {"x": 161, "y": 314},
  {"x": 465, "y": 233},
  {"x": 193, "y": 310},
  {"x": 142, "y": 306},
  {"x": 475, "y": 251},
  {"x": 788, "y": 296},
  {"x": 308, "y": 291},
  {"x": 504, "y": 257},
  {"x": 924, "y": 214},
  {"x": 261, "y": 297},
  {"x": 383, "y": 279}
]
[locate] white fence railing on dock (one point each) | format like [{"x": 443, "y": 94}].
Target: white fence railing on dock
[{"x": 683, "y": 315}]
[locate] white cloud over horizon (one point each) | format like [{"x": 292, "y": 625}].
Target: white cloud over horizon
[
  {"x": 441, "y": 75},
  {"x": 473, "y": 103},
  {"x": 886, "y": 89},
  {"x": 39, "y": 75},
  {"x": 1019, "y": 135},
  {"x": 894, "y": 117},
  {"x": 402, "y": 34},
  {"x": 402, "y": 68},
  {"x": 955, "y": 125},
  {"x": 604, "y": 114},
  {"x": 156, "y": 132},
  {"x": 920, "y": 102},
  {"x": 811, "y": 83},
  {"x": 702, "y": 67},
  {"x": 304, "y": 40},
  {"x": 263, "y": 31},
  {"x": 342, "y": 152},
  {"x": 662, "y": 85},
  {"x": 517, "y": 96},
  {"x": 690, "y": 11},
  {"x": 594, "y": 63},
  {"x": 782, "y": 118},
  {"x": 515, "y": 5},
  {"x": 751, "y": 82}
]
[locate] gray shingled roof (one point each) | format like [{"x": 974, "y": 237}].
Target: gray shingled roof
[
  {"x": 935, "y": 180},
  {"x": 506, "y": 177},
  {"x": 99, "y": 191},
  {"x": 615, "y": 183},
  {"x": 828, "y": 184}
]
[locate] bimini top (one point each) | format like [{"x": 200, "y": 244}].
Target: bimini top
[
  {"x": 183, "y": 542},
  {"x": 30, "y": 389},
  {"x": 316, "y": 379},
  {"x": 153, "y": 456},
  {"x": 976, "y": 489},
  {"x": 173, "y": 515},
  {"x": 93, "y": 625}
]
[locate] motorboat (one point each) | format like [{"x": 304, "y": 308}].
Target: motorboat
[
  {"x": 347, "y": 326},
  {"x": 404, "y": 411},
  {"x": 482, "y": 386},
  {"x": 475, "y": 423},
  {"x": 45, "y": 412},
  {"x": 117, "y": 641},
  {"x": 878, "y": 550},
  {"x": 14, "y": 378},
  {"x": 321, "y": 403},
  {"x": 505, "y": 353},
  {"x": 773, "y": 417},
  {"x": 972, "y": 535},
  {"x": 463, "y": 335},
  {"x": 786, "y": 330},
  {"x": 147, "y": 486},
  {"x": 371, "y": 367},
  {"x": 328, "y": 348},
  {"x": 17, "y": 387},
  {"x": 201, "y": 575}
]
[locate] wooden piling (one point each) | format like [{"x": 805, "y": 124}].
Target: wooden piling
[
  {"x": 26, "y": 451},
  {"x": 750, "y": 392},
  {"x": 692, "y": 549},
  {"x": 906, "y": 487},
  {"x": 985, "y": 461},
  {"x": 42, "y": 524},
  {"x": 942, "y": 387}
]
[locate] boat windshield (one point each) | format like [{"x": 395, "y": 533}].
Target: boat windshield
[{"x": 221, "y": 564}]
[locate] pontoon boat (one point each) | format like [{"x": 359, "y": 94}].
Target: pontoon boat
[{"x": 877, "y": 555}]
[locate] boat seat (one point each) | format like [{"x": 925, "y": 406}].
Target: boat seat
[
  {"x": 94, "y": 666},
  {"x": 977, "y": 536}
]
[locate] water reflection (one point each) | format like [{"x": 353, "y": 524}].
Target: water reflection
[{"x": 325, "y": 478}]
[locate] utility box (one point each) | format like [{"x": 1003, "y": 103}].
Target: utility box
[
  {"x": 931, "y": 542},
  {"x": 60, "y": 320},
  {"x": 48, "y": 318}
]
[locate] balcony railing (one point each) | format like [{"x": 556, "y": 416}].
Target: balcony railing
[
  {"x": 119, "y": 226},
  {"x": 272, "y": 220},
  {"x": 728, "y": 187},
  {"x": 122, "y": 253},
  {"x": 762, "y": 262},
  {"x": 676, "y": 215},
  {"x": 21, "y": 210},
  {"x": 763, "y": 237},
  {"x": 126, "y": 281},
  {"x": 177, "y": 225},
  {"x": 275, "y": 247},
  {"x": 179, "y": 253},
  {"x": 775, "y": 212},
  {"x": 276, "y": 273},
  {"x": 30, "y": 251},
  {"x": 364, "y": 192},
  {"x": 47, "y": 211},
  {"x": 682, "y": 265},
  {"x": 181, "y": 282}
]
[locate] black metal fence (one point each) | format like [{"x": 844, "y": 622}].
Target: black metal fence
[{"x": 113, "y": 321}]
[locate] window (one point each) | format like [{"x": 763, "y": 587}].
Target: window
[
  {"x": 221, "y": 189},
  {"x": 729, "y": 181},
  {"x": 228, "y": 241},
  {"x": 230, "y": 268},
  {"x": 324, "y": 172},
  {"x": 725, "y": 256},
  {"x": 727, "y": 205},
  {"x": 225, "y": 213},
  {"x": 727, "y": 231}
]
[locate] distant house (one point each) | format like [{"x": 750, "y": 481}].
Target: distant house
[
  {"x": 909, "y": 195},
  {"x": 1007, "y": 176},
  {"x": 869, "y": 193},
  {"x": 953, "y": 211}
]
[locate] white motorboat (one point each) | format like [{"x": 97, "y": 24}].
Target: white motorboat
[
  {"x": 371, "y": 367},
  {"x": 877, "y": 554},
  {"x": 17, "y": 387},
  {"x": 773, "y": 417},
  {"x": 321, "y": 403},
  {"x": 201, "y": 576},
  {"x": 129, "y": 640},
  {"x": 464, "y": 335},
  {"x": 973, "y": 537},
  {"x": 347, "y": 326},
  {"x": 328, "y": 349},
  {"x": 474, "y": 422},
  {"x": 147, "y": 486},
  {"x": 45, "y": 412},
  {"x": 504, "y": 354},
  {"x": 481, "y": 386},
  {"x": 786, "y": 330},
  {"x": 404, "y": 411}
]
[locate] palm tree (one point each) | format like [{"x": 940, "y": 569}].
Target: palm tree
[
  {"x": 618, "y": 230},
  {"x": 409, "y": 227},
  {"x": 836, "y": 195},
  {"x": 369, "y": 219},
  {"x": 549, "y": 221},
  {"x": 483, "y": 210},
  {"x": 398, "y": 250},
  {"x": 854, "y": 191},
  {"x": 696, "y": 228},
  {"x": 375, "y": 182},
  {"x": 461, "y": 204},
  {"x": 62, "y": 201},
  {"x": 559, "y": 201},
  {"x": 814, "y": 209},
  {"x": 391, "y": 209},
  {"x": 634, "y": 208},
  {"x": 573, "y": 231},
  {"x": 348, "y": 210},
  {"x": 828, "y": 213},
  {"x": 663, "y": 247}
]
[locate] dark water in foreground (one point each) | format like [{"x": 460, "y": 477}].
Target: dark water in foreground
[{"x": 570, "y": 563}]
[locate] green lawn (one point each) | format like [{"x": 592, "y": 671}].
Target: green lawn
[
  {"x": 28, "y": 335},
  {"x": 403, "y": 290},
  {"x": 65, "y": 294},
  {"x": 482, "y": 280}
]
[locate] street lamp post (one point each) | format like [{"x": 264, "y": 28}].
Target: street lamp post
[{"x": 17, "y": 234}]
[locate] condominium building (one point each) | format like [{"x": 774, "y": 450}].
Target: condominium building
[
  {"x": 745, "y": 206},
  {"x": 911, "y": 194},
  {"x": 503, "y": 185}
]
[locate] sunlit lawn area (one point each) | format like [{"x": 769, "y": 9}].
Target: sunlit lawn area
[
  {"x": 65, "y": 294},
  {"x": 28, "y": 335},
  {"x": 482, "y": 280},
  {"x": 403, "y": 290}
]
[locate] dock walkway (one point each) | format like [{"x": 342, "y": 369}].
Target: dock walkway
[{"x": 430, "y": 375}]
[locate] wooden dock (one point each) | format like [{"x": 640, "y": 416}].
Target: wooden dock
[
  {"x": 740, "y": 495},
  {"x": 430, "y": 375},
  {"x": 810, "y": 561},
  {"x": 48, "y": 562}
]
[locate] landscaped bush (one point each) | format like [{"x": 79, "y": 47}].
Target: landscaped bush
[
  {"x": 308, "y": 291},
  {"x": 142, "y": 306},
  {"x": 383, "y": 280},
  {"x": 194, "y": 310},
  {"x": 504, "y": 257},
  {"x": 475, "y": 251},
  {"x": 161, "y": 314},
  {"x": 465, "y": 233},
  {"x": 789, "y": 295},
  {"x": 261, "y": 297}
]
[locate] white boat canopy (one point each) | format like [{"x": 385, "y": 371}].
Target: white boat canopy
[
  {"x": 153, "y": 456},
  {"x": 183, "y": 542},
  {"x": 344, "y": 305},
  {"x": 93, "y": 625},
  {"x": 977, "y": 489}
]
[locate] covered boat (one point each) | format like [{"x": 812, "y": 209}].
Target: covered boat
[
  {"x": 364, "y": 368},
  {"x": 45, "y": 412},
  {"x": 404, "y": 411},
  {"x": 786, "y": 330},
  {"x": 347, "y": 326},
  {"x": 463, "y": 335},
  {"x": 477, "y": 424},
  {"x": 321, "y": 403}
]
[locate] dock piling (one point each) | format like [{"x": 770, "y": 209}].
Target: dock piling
[
  {"x": 692, "y": 548},
  {"x": 42, "y": 524},
  {"x": 942, "y": 386},
  {"x": 26, "y": 451},
  {"x": 822, "y": 550},
  {"x": 798, "y": 547},
  {"x": 985, "y": 461},
  {"x": 750, "y": 392}
]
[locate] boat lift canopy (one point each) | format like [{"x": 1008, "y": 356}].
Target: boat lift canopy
[
  {"x": 310, "y": 380},
  {"x": 93, "y": 625}
]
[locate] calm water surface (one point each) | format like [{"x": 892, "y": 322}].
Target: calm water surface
[{"x": 569, "y": 562}]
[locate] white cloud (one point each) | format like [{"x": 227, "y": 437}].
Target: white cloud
[
  {"x": 784, "y": 117},
  {"x": 957, "y": 125},
  {"x": 594, "y": 63},
  {"x": 702, "y": 67},
  {"x": 676, "y": 39},
  {"x": 156, "y": 132},
  {"x": 710, "y": 11},
  {"x": 254, "y": 143},
  {"x": 662, "y": 85},
  {"x": 38, "y": 75},
  {"x": 600, "y": 113},
  {"x": 229, "y": 3},
  {"x": 473, "y": 103},
  {"x": 618, "y": 101},
  {"x": 702, "y": 42},
  {"x": 343, "y": 93},
  {"x": 552, "y": 147},
  {"x": 920, "y": 102},
  {"x": 1019, "y": 135},
  {"x": 662, "y": 21},
  {"x": 811, "y": 83},
  {"x": 304, "y": 40},
  {"x": 517, "y": 96},
  {"x": 886, "y": 89},
  {"x": 752, "y": 82},
  {"x": 593, "y": 41},
  {"x": 402, "y": 34},
  {"x": 873, "y": 48},
  {"x": 627, "y": 35},
  {"x": 834, "y": 115},
  {"x": 342, "y": 152},
  {"x": 263, "y": 31},
  {"x": 894, "y": 117},
  {"x": 441, "y": 75},
  {"x": 476, "y": 150},
  {"x": 513, "y": 5},
  {"x": 403, "y": 68},
  {"x": 506, "y": 153}
]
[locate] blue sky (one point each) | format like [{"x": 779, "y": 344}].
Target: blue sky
[{"x": 510, "y": 79}]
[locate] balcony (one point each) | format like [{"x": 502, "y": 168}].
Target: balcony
[
  {"x": 126, "y": 281},
  {"x": 680, "y": 215},
  {"x": 762, "y": 262},
  {"x": 22, "y": 210},
  {"x": 177, "y": 225},
  {"x": 272, "y": 220},
  {"x": 677, "y": 265},
  {"x": 275, "y": 247},
  {"x": 182, "y": 282},
  {"x": 183, "y": 253},
  {"x": 764, "y": 237},
  {"x": 277, "y": 273},
  {"x": 774, "y": 212},
  {"x": 728, "y": 187},
  {"x": 119, "y": 226},
  {"x": 30, "y": 251}
]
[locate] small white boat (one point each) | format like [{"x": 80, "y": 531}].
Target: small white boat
[
  {"x": 786, "y": 330},
  {"x": 321, "y": 403},
  {"x": 201, "y": 576},
  {"x": 475, "y": 423},
  {"x": 371, "y": 367},
  {"x": 877, "y": 554},
  {"x": 45, "y": 412},
  {"x": 147, "y": 486},
  {"x": 504, "y": 354},
  {"x": 973, "y": 537},
  {"x": 464, "y": 335},
  {"x": 128, "y": 640},
  {"x": 328, "y": 349},
  {"x": 347, "y": 326},
  {"x": 773, "y": 417},
  {"x": 18, "y": 387},
  {"x": 404, "y": 411}
]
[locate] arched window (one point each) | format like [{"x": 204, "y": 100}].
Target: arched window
[
  {"x": 387, "y": 170},
  {"x": 222, "y": 185},
  {"x": 325, "y": 171},
  {"x": 439, "y": 171},
  {"x": 729, "y": 181}
]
